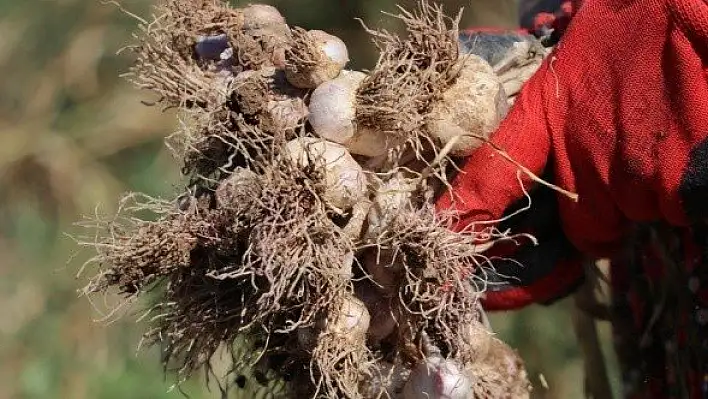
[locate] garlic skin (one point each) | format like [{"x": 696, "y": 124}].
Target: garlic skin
[
  {"x": 372, "y": 142},
  {"x": 351, "y": 318},
  {"x": 438, "y": 378},
  {"x": 333, "y": 47},
  {"x": 238, "y": 190},
  {"x": 266, "y": 93},
  {"x": 392, "y": 198},
  {"x": 344, "y": 177},
  {"x": 317, "y": 57},
  {"x": 475, "y": 104},
  {"x": 261, "y": 16},
  {"x": 333, "y": 109},
  {"x": 333, "y": 116}
]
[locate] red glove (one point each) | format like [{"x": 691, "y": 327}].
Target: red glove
[
  {"x": 618, "y": 114},
  {"x": 557, "y": 21}
]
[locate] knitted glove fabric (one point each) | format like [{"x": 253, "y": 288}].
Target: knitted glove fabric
[{"x": 618, "y": 113}]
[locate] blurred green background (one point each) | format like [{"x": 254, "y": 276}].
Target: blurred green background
[{"x": 74, "y": 137}]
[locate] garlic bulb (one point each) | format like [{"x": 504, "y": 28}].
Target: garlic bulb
[
  {"x": 260, "y": 16},
  {"x": 333, "y": 116},
  {"x": 344, "y": 177},
  {"x": 438, "y": 378},
  {"x": 475, "y": 103},
  {"x": 349, "y": 318},
  {"x": 314, "y": 58},
  {"x": 238, "y": 190},
  {"x": 392, "y": 198}
]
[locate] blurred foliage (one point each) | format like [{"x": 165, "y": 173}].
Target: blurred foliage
[{"x": 73, "y": 136}]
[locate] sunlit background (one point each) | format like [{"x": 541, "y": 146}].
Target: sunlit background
[{"x": 74, "y": 137}]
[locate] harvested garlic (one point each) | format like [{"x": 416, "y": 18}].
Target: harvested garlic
[{"x": 314, "y": 58}]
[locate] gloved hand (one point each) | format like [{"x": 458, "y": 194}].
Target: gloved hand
[
  {"x": 617, "y": 113},
  {"x": 515, "y": 56}
]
